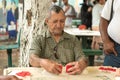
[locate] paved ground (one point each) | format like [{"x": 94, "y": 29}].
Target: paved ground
[{"x": 3, "y": 59}]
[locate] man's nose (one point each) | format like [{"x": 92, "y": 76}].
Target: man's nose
[{"x": 58, "y": 24}]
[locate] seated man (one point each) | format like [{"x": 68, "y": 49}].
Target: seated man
[{"x": 54, "y": 47}]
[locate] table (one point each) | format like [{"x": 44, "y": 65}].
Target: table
[
  {"x": 84, "y": 34},
  {"x": 77, "y": 32},
  {"x": 9, "y": 45},
  {"x": 90, "y": 73}
]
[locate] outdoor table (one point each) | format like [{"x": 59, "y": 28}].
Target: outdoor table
[{"x": 90, "y": 73}]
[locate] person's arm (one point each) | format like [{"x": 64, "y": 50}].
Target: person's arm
[
  {"x": 48, "y": 65},
  {"x": 72, "y": 14},
  {"x": 103, "y": 30},
  {"x": 81, "y": 62},
  {"x": 108, "y": 43},
  {"x": 95, "y": 18},
  {"x": 9, "y": 77},
  {"x": 35, "y": 60}
]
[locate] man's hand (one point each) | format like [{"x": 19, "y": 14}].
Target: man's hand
[
  {"x": 109, "y": 47},
  {"x": 89, "y": 9},
  {"x": 9, "y": 77},
  {"x": 77, "y": 67},
  {"x": 51, "y": 66}
]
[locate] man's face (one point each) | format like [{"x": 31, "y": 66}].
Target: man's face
[
  {"x": 54, "y": 0},
  {"x": 101, "y": 1},
  {"x": 56, "y": 22},
  {"x": 65, "y": 1}
]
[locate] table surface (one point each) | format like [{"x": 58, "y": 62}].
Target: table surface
[
  {"x": 9, "y": 45},
  {"x": 77, "y": 32},
  {"x": 90, "y": 73},
  {"x": 7, "y": 42}
]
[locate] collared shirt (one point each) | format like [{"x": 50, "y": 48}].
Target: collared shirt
[{"x": 67, "y": 49}]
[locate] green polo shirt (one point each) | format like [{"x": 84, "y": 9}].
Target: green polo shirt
[{"x": 68, "y": 49}]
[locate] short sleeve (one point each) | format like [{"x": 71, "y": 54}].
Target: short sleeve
[
  {"x": 35, "y": 46},
  {"x": 107, "y": 10}
]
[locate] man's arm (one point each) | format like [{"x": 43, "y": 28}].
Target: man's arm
[
  {"x": 103, "y": 30},
  {"x": 71, "y": 16},
  {"x": 9, "y": 77},
  {"x": 73, "y": 13},
  {"x": 34, "y": 60},
  {"x": 80, "y": 62},
  {"x": 48, "y": 65},
  {"x": 108, "y": 43}
]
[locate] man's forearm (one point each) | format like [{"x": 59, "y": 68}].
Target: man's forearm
[
  {"x": 35, "y": 61},
  {"x": 103, "y": 29},
  {"x": 84, "y": 62},
  {"x": 71, "y": 16}
]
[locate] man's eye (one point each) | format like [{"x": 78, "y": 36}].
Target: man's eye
[
  {"x": 62, "y": 21},
  {"x": 54, "y": 21}
]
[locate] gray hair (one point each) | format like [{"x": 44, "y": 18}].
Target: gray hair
[{"x": 56, "y": 9}]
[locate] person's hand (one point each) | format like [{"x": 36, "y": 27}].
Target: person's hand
[
  {"x": 89, "y": 9},
  {"x": 95, "y": 28},
  {"x": 9, "y": 77},
  {"x": 108, "y": 47},
  {"x": 77, "y": 67},
  {"x": 117, "y": 72},
  {"x": 51, "y": 66}
]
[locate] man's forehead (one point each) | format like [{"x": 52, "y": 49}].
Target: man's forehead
[
  {"x": 55, "y": 15},
  {"x": 65, "y": 0},
  {"x": 61, "y": 12}
]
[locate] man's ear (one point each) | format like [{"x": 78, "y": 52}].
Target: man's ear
[
  {"x": 46, "y": 20},
  {"x": 65, "y": 17}
]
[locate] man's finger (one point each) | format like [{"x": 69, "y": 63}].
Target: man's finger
[
  {"x": 55, "y": 71},
  {"x": 106, "y": 52},
  {"x": 71, "y": 69},
  {"x": 115, "y": 52},
  {"x": 72, "y": 73},
  {"x": 59, "y": 68},
  {"x": 71, "y": 63}
]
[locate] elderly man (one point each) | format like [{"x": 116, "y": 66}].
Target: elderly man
[{"x": 55, "y": 48}]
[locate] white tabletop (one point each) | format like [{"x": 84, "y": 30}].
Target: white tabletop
[
  {"x": 90, "y": 73},
  {"x": 77, "y": 32}
]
